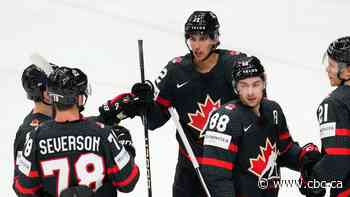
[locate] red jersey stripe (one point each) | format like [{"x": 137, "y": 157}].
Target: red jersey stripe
[
  {"x": 216, "y": 163},
  {"x": 345, "y": 193},
  {"x": 165, "y": 102},
  {"x": 25, "y": 190},
  {"x": 233, "y": 148},
  {"x": 337, "y": 151},
  {"x": 283, "y": 135},
  {"x": 342, "y": 132},
  {"x": 113, "y": 169},
  {"x": 127, "y": 181}
]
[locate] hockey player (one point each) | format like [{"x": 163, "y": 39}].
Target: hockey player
[
  {"x": 72, "y": 151},
  {"x": 194, "y": 84},
  {"x": 247, "y": 140},
  {"x": 34, "y": 81},
  {"x": 333, "y": 115}
]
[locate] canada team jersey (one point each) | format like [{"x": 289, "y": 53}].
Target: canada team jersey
[
  {"x": 31, "y": 121},
  {"x": 194, "y": 95},
  {"x": 84, "y": 152},
  {"x": 334, "y": 118},
  {"x": 242, "y": 150}
]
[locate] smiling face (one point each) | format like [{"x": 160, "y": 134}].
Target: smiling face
[
  {"x": 251, "y": 91},
  {"x": 201, "y": 46}
]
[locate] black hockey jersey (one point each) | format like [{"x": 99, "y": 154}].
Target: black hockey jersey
[
  {"x": 31, "y": 121},
  {"x": 194, "y": 95},
  {"x": 334, "y": 118},
  {"x": 243, "y": 152},
  {"x": 83, "y": 152}
]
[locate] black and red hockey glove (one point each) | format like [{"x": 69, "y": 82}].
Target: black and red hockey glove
[
  {"x": 309, "y": 189},
  {"x": 124, "y": 138},
  {"x": 121, "y": 107},
  {"x": 144, "y": 91},
  {"x": 308, "y": 157}
]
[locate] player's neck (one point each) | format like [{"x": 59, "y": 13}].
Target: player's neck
[
  {"x": 206, "y": 65},
  {"x": 40, "y": 107},
  {"x": 67, "y": 115},
  {"x": 256, "y": 110}
]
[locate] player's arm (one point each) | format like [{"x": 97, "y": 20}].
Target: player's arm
[
  {"x": 220, "y": 151},
  {"x": 292, "y": 155},
  {"x": 141, "y": 100},
  {"x": 335, "y": 139},
  {"x": 121, "y": 167},
  {"x": 28, "y": 182},
  {"x": 17, "y": 149}
]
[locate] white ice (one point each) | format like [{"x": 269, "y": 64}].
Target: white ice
[{"x": 100, "y": 37}]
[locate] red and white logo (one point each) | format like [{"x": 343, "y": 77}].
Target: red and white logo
[
  {"x": 199, "y": 119},
  {"x": 265, "y": 165}
]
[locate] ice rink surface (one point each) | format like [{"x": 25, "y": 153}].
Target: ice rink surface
[{"x": 100, "y": 37}]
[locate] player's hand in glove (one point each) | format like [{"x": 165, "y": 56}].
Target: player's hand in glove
[
  {"x": 309, "y": 189},
  {"x": 120, "y": 107},
  {"x": 144, "y": 91},
  {"x": 308, "y": 157},
  {"x": 124, "y": 138}
]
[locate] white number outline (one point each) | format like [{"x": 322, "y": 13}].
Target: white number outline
[{"x": 63, "y": 169}]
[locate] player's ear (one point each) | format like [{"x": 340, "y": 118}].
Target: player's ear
[{"x": 346, "y": 73}]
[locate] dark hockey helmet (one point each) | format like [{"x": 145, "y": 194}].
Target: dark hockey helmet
[
  {"x": 202, "y": 22},
  {"x": 339, "y": 50},
  {"x": 247, "y": 67},
  {"x": 65, "y": 84},
  {"x": 34, "y": 82}
]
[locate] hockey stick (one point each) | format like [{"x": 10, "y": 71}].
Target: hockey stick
[
  {"x": 145, "y": 123},
  {"x": 175, "y": 118},
  {"x": 41, "y": 63}
]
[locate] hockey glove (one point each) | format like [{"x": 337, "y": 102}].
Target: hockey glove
[
  {"x": 124, "y": 138},
  {"x": 121, "y": 107},
  {"x": 144, "y": 91},
  {"x": 308, "y": 157},
  {"x": 309, "y": 189}
]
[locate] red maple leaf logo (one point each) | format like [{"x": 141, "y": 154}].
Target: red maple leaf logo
[
  {"x": 199, "y": 119},
  {"x": 265, "y": 161}
]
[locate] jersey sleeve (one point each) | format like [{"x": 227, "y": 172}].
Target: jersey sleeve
[
  {"x": 158, "y": 114},
  {"x": 121, "y": 168},
  {"x": 289, "y": 150},
  {"x": 334, "y": 124},
  {"x": 220, "y": 151},
  {"x": 28, "y": 182}
]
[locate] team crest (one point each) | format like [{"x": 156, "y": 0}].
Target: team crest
[
  {"x": 199, "y": 119},
  {"x": 265, "y": 165}
]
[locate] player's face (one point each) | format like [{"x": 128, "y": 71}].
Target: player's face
[
  {"x": 201, "y": 46},
  {"x": 332, "y": 70},
  {"x": 251, "y": 90}
]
